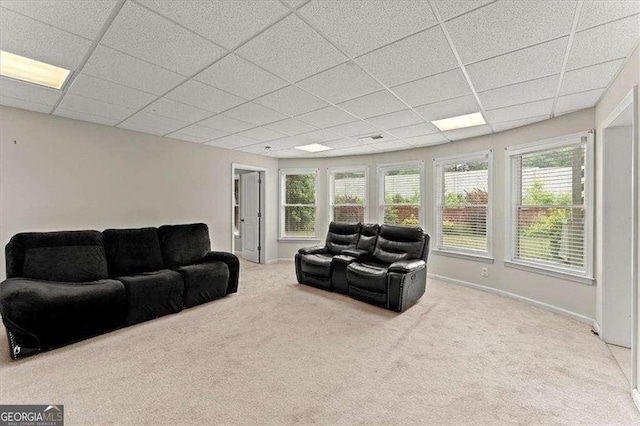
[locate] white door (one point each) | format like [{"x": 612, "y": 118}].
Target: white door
[{"x": 250, "y": 216}]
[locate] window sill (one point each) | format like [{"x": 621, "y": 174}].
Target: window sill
[
  {"x": 299, "y": 240},
  {"x": 582, "y": 279},
  {"x": 467, "y": 256}
]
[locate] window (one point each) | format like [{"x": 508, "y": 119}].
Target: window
[
  {"x": 463, "y": 200},
  {"x": 347, "y": 194},
  {"x": 298, "y": 204},
  {"x": 551, "y": 197},
  {"x": 400, "y": 196}
]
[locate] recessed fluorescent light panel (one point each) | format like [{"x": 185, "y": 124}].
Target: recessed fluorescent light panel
[
  {"x": 314, "y": 147},
  {"x": 32, "y": 71},
  {"x": 460, "y": 122}
]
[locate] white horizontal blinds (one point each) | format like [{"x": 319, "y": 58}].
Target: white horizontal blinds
[
  {"x": 401, "y": 195},
  {"x": 348, "y": 196},
  {"x": 549, "y": 206},
  {"x": 463, "y": 204},
  {"x": 299, "y": 207}
]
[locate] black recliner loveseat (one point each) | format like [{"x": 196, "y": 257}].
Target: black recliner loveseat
[
  {"x": 67, "y": 286},
  {"x": 386, "y": 268}
]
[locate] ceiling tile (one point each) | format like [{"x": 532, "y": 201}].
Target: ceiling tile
[
  {"x": 519, "y": 66},
  {"x": 361, "y": 26},
  {"x": 147, "y": 36},
  {"x": 232, "y": 141},
  {"x": 502, "y": 27},
  {"x": 204, "y": 96},
  {"x": 35, "y": 40},
  {"x": 413, "y": 131},
  {"x": 518, "y": 112},
  {"x": 22, "y": 104},
  {"x": 286, "y": 143},
  {"x": 235, "y": 75},
  {"x": 329, "y": 153},
  {"x": 179, "y": 111},
  {"x": 117, "y": 67},
  {"x": 448, "y": 85},
  {"x": 255, "y": 114},
  {"x": 578, "y": 101},
  {"x": 84, "y": 18},
  {"x": 449, "y": 108},
  {"x": 359, "y": 150},
  {"x": 520, "y": 93},
  {"x": 414, "y": 57},
  {"x": 606, "y": 42},
  {"x": 258, "y": 148},
  {"x": 287, "y": 153},
  {"x": 226, "y": 22},
  {"x": 198, "y": 133},
  {"x": 152, "y": 123},
  {"x": 318, "y": 136},
  {"x": 94, "y": 107},
  {"x": 291, "y": 50},
  {"x": 588, "y": 78},
  {"x": 294, "y": 3},
  {"x": 226, "y": 124},
  {"x": 451, "y": 8},
  {"x": 395, "y": 119},
  {"x": 344, "y": 82},
  {"x": 291, "y": 126},
  {"x": 356, "y": 128},
  {"x": 28, "y": 92},
  {"x": 76, "y": 115},
  {"x": 396, "y": 145},
  {"x": 102, "y": 90},
  {"x": 343, "y": 143},
  {"x": 598, "y": 12},
  {"x": 182, "y": 136},
  {"x": 262, "y": 134},
  {"x": 501, "y": 127},
  {"x": 292, "y": 101},
  {"x": 326, "y": 117},
  {"x": 374, "y": 104},
  {"x": 469, "y": 132},
  {"x": 427, "y": 140},
  {"x": 381, "y": 137}
]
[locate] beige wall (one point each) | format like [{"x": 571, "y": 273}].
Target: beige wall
[
  {"x": 564, "y": 294},
  {"x": 65, "y": 174}
]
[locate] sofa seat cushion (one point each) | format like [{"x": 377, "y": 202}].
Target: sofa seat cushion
[
  {"x": 59, "y": 313},
  {"x": 368, "y": 276},
  {"x": 317, "y": 264},
  {"x": 152, "y": 294},
  {"x": 204, "y": 282}
]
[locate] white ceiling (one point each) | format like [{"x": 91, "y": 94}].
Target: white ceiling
[{"x": 244, "y": 74}]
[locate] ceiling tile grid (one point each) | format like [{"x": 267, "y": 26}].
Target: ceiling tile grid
[{"x": 239, "y": 75}]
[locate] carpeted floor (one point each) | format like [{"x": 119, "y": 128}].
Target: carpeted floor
[{"x": 278, "y": 352}]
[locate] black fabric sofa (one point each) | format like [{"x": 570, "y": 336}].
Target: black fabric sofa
[
  {"x": 67, "y": 286},
  {"x": 387, "y": 267}
]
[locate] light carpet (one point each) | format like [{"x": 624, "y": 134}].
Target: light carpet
[{"x": 281, "y": 353}]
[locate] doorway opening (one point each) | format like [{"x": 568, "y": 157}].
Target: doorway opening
[
  {"x": 619, "y": 285},
  {"x": 248, "y": 212}
]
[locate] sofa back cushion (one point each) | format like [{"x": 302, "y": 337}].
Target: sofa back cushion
[
  {"x": 399, "y": 243},
  {"x": 342, "y": 236},
  {"x": 130, "y": 251},
  {"x": 183, "y": 245},
  {"x": 69, "y": 256},
  {"x": 368, "y": 236}
]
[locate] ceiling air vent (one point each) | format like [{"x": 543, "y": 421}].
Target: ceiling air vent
[{"x": 372, "y": 137}]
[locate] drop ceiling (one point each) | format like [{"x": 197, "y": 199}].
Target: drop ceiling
[{"x": 241, "y": 74}]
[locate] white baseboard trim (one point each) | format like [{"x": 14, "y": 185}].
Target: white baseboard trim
[
  {"x": 636, "y": 398},
  {"x": 596, "y": 327},
  {"x": 545, "y": 306}
]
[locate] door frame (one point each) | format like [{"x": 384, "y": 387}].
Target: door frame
[
  {"x": 630, "y": 100},
  {"x": 263, "y": 175}
]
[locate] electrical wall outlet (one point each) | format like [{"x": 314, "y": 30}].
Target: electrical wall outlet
[{"x": 485, "y": 272}]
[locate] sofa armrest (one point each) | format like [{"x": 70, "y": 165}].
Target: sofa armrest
[
  {"x": 357, "y": 253},
  {"x": 406, "y": 266},
  {"x": 232, "y": 262},
  {"x": 313, "y": 250}
]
